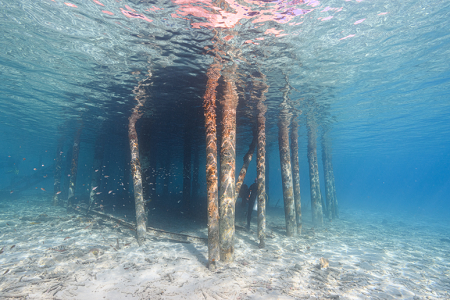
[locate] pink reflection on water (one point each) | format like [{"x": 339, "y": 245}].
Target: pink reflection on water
[
  {"x": 129, "y": 8},
  {"x": 98, "y": 2},
  {"x": 359, "y": 21},
  {"x": 130, "y": 14},
  {"x": 348, "y": 36},
  {"x": 154, "y": 8},
  {"x": 70, "y": 4},
  {"x": 107, "y": 12},
  {"x": 216, "y": 17}
]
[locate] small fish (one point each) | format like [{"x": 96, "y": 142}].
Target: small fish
[
  {"x": 43, "y": 189},
  {"x": 6, "y": 272},
  {"x": 106, "y": 176},
  {"x": 67, "y": 237},
  {"x": 94, "y": 188},
  {"x": 98, "y": 193},
  {"x": 11, "y": 192},
  {"x": 34, "y": 169},
  {"x": 96, "y": 170},
  {"x": 59, "y": 192},
  {"x": 24, "y": 158},
  {"x": 110, "y": 192},
  {"x": 1, "y": 250},
  {"x": 12, "y": 247}
]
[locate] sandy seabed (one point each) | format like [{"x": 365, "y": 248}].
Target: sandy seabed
[{"x": 49, "y": 254}]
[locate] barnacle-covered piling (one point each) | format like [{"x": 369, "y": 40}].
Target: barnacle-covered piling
[
  {"x": 330, "y": 189},
  {"x": 209, "y": 105},
  {"x": 97, "y": 170},
  {"x": 141, "y": 218},
  {"x": 229, "y": 104},
  {"x": 74, "y": 168},
  {"x": 316, "y": 202},
  {"x": 186, "y": 169},
  {"x": 57, "y": 172},
  {"x": 296, "y": 174},
  {"x": 261, "y": 161},
  {"x": 247, "y": 159},
  {"x": 286, "y": 170}
]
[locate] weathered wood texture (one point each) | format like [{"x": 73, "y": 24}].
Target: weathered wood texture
[
  {"x": 212, "y": 183},
  {"x": 286, "y": 170},
  {"x": 316, "y": 202},
  {"x": 296, "y": 174},
  {"x": 136, "y": 173},
  {"x": 229, "y": 104}
]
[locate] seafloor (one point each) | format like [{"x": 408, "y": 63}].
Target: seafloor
[{"x": 49, "y": 254}]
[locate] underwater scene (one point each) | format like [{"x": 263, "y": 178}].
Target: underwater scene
[{"x": 224, "y": 149}]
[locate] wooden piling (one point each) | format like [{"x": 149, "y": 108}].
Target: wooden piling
[
  {"x": 209, "y": 105},
  {"x": 229, "y": 104},
  {"x": 195, "y": 175},
  {"x": 166, "y": 173},
  {"x": 74, "y": 168},
  {"x": 247, "y": 159},
  {"x": 330, "y": 189},
  {"x": 97, "y": 170},
  {"x": 316, "y": 202},
  {"x": 286, "y": 170},
  {"x": 326, "y": 176},
  {"x": 57, "y": 172},
  {"x": 186, "y": 169},
  {"x": 267, "y": 159},
  {"x": 296, "y": 174},
  {"x": 141, "y": 218},
  {"x": 335, "y": 212},
  {"x": 261, "y": 161}
]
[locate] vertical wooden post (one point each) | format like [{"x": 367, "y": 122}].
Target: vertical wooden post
[
  {"x": 57, "y": 174},
  {"x": 326, "y": 176},
  {"x": 329, "y": 176},
  {"x": 141, "y": 218},
  {"x": 186, "y": 169},
  {"x": 167, "y": 175},
  {"x": 316, "y": 202},
  {"x": 209, "y": 105},
  {"x": 74, "y": 168},
  {"x": 286, "y": 170},
  {"x": 267, "y": 157},
  {"x": 195, "y": 182},
  {"x": 229, "y": 104},
  {"x": 247, "y": 159},
  {"x": 296, "y": 174},
  {"x": 261, "y": 163},
  {"x": 335, "y": 201},
  {"x": 97, "y": 169}
]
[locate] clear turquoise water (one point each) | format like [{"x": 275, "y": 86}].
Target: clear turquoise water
[{"x": 378, "y": 72}]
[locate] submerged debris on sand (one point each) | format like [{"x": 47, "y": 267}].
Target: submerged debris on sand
[{"x": 345, "y": 261}]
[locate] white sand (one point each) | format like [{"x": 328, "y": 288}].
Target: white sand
[{"x": 401, "y": 259}]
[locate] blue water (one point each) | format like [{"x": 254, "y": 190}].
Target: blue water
[
  {"x": 376, "y": 73},
  {"x": 384, "y": 90},
  {"x": 377, "y": 70}
]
